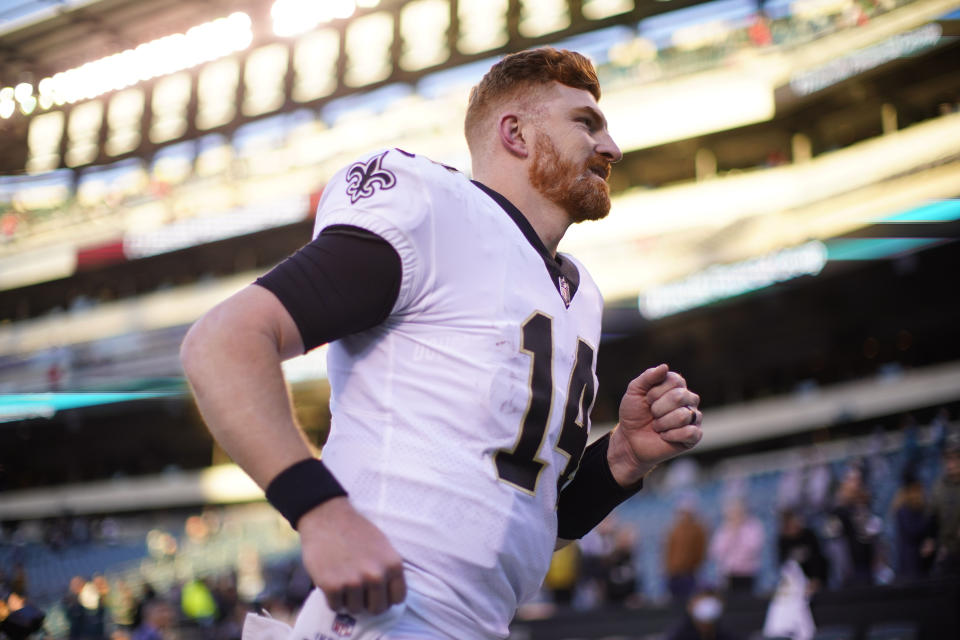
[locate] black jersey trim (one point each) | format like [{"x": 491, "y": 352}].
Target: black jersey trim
[
  {"x": 345, "y": 280},
  {"x": 558, "y": 267}
]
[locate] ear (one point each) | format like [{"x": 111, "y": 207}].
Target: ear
[{"x": 512, "y": 136}]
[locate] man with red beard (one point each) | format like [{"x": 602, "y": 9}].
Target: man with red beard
[{"x": 462, "y": 367}]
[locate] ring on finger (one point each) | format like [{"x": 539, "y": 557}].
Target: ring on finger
[{"x": 693, "y": 415}]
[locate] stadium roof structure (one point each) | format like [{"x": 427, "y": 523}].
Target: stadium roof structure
[{"x": 39, "y": 39}]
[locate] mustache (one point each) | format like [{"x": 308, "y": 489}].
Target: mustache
[{"x": 601, "y": 165}]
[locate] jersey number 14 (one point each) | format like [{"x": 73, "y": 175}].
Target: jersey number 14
[{"x": 520, "y": 466}]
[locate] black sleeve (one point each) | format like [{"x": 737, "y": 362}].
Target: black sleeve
[
  {"x": 591, "y": 495},
  {"x": 345, "y": 281}
]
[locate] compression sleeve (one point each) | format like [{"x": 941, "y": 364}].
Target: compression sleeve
[
  {"x": 345, "y": 281},
  {"x": 591, "y": 495}
]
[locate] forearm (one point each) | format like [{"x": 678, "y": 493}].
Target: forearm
[
  {"x": 238, "y": 384},
  {"x": 591, "y": 495}
]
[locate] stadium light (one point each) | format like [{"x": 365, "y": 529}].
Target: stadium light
[
  {"x": 27, "y": 105},
  {"x": 202, "y": 43},
  {"x": 7, "y": 103},
  {"x": 23, "y": 92},
  {"x": 293, "y": 17},
  {"x": 45, "y": 89}
]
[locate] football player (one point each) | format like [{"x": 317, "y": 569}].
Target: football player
[{"x": 462, "y": 369}]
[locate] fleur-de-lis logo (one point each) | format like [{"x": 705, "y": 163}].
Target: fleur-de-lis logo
[{"x": 365, "y": 177}]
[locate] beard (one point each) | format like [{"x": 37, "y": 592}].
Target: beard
[{"x": 570, "y": 185}]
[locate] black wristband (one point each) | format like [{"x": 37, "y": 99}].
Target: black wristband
[
  {"x": 591, "y": 495},
  {"x": 302, "y": 486}
]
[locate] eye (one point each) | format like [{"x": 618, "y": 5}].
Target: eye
[{"x": 588, "y": 122}]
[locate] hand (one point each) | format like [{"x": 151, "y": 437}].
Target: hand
[
  {"x": 350, "y": 559},
  {"x": 659, "y": 419}
]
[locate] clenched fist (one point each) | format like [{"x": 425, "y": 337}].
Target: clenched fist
[{"x": 659, "y": 419}]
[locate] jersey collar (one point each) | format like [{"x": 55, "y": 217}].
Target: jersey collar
[{"x": 563, "y": 272}]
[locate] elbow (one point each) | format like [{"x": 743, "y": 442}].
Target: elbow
[{"x": 191, "y": 348}]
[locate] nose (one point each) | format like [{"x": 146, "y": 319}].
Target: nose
[{"x": 608, "y": 148}]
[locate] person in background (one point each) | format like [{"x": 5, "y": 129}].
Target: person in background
[
  {"x": 562, "y": 576},
  {"x": 122, "y": 605},
  {"x": 788, "y": 613},
  {"x": 198, "y": 604},
  {"x": 620, "y": 576},
  {"x": 158, "y": 617},
  {"x": 914, "y": 526},
  {"x": 686, "y": 550},
  {"x": 18, "y": 618},
  {"x": 736, "y": 547},
  {"x": 75, "y": 612},
  {"x": 146, "y": 597},
  {"x": 701, "y": 619},
  {"x": 945, "y": 509},
  {"x": 799, "y": 543},
  {"x": 859, "y": 528}
]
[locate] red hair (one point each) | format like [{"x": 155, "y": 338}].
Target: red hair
[{"x": 526, "y": 70}]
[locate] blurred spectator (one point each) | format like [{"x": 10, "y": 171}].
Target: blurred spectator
[
  {"x": 85, "y": 608},
  {"x": 158, "y": 617},
  {"x": 225, "y": 595},
  {"x": 563, "y": 573},
  {"x": 817, "y": 488},
  {"x": 148, "y": 596},
  {"x": 736, "y": 547},
  {"x": 701, "y": 619},
  {"x": 759, "y": 31},
  {"x": 594, "y": 547},
  {"x": 18, "y": 618},
  {"x": 789, "y": 615},
  {"x": 17, "y": 582},
  {"x": 914, "y": 526},
  {"x": 798, "y": 543},
  {"x": 686, "y": 551},
  {"x": 76, "y": 614},
  {"x": 121, "y": 604},
  {"x": 856, "y": 529},
  {"x": 620, "y": 576},
  {"x": 104, "y": 593},
  {"x": 945, "y": 506},
  {"x": 197, "y": 603}
]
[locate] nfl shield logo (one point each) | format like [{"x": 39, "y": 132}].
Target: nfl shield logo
[
  {"x": 564, "y": 290},
  {"x": 343, "y": 625}
]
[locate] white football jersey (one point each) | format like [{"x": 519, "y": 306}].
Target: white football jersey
[{"x": 455, "y": 420}]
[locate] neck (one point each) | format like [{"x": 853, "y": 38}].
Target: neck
[{"x": 547, "y": 218}]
